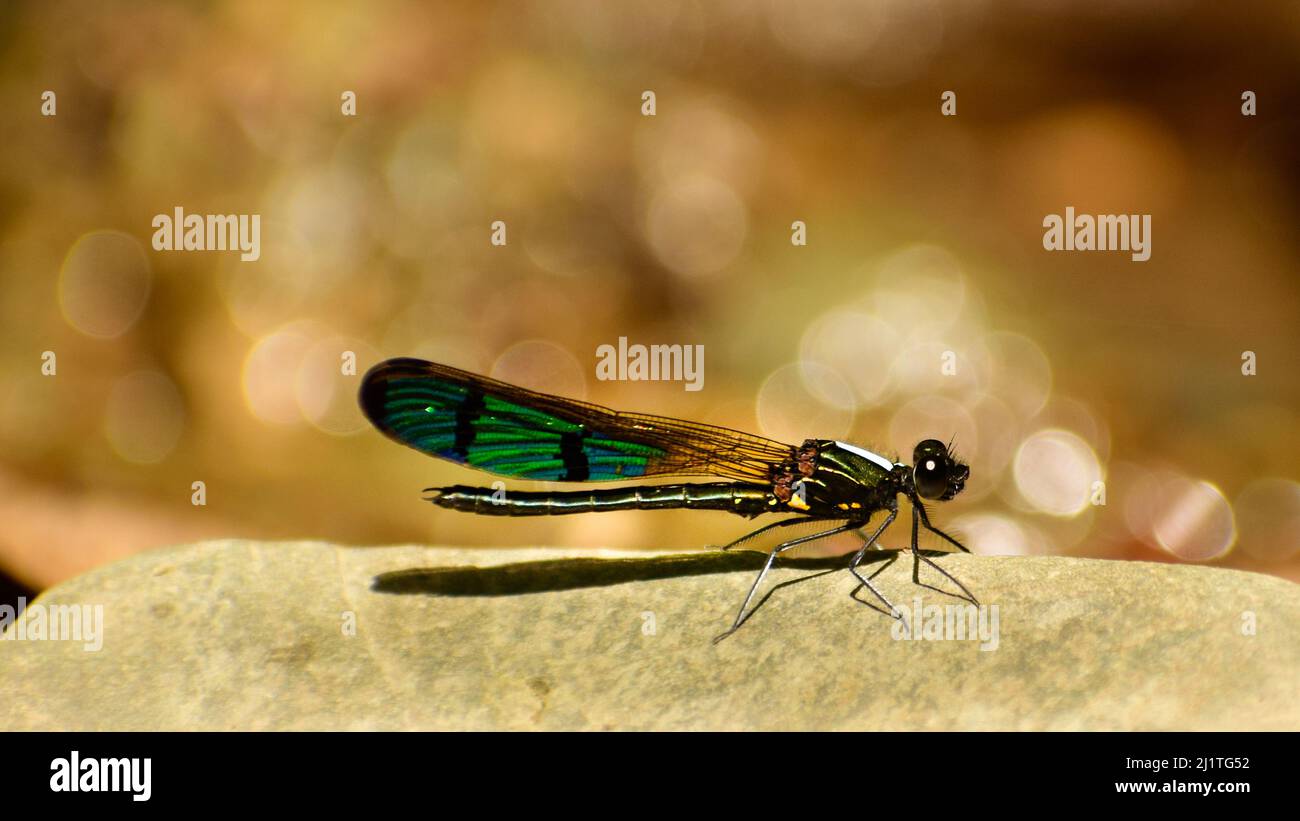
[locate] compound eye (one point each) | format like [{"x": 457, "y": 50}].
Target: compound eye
[{"x": 930, "y": 475}]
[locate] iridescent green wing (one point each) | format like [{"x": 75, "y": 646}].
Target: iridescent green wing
[{"x": 512, "y": 431}]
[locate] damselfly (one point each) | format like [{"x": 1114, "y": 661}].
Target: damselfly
[{"x": 519, "y": 433}]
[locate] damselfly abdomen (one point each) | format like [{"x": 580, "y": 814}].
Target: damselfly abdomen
[{"x": 511, "y": 431}]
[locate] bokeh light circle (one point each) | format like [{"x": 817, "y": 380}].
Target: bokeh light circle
[
  {"x": 788, "y": 411},
  {"x": 1056, "y": 471},
  {"x": 858, "y": 345},
  {"x": 999, "y": 436},
  {"x": 269, "y": 373},
  {"x": 696, "y": 225},
  {"x": 326, "y": 394},
  {"x": 144, "y": 417},
  {"x": 543, "y": 366},
  {"x": 1021, "y": 375},
  {"x": 1194, "y": 521},
  {"x": 921, "y": 288},
  {"x": 104, "y": 283}
]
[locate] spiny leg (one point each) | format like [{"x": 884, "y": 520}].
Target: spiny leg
[
  {"x": 916, "y": 540},
  {"x": 853, "y": 594},
  {"x": 857, "y": 559},
  {"x": 919, "y": 516},
  {"x": 754, "y": 533},
  {"x": 925, "y": 520},
  {"x": 771, "y": 557}
]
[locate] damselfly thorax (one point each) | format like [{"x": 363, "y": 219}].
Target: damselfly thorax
[{"x": 511, "y": 431}]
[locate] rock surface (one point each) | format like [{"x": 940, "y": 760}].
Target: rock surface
[{"x": 303, "y": 635}]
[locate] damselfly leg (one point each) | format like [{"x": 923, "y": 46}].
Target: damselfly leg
[
  {"x": 919, "y": 517},
  {"x": 753, "y": 534},
  {"x": 857, "y": 560},
  {"x": 771, "y": 557},
  {"x": 885, "y": 565}
]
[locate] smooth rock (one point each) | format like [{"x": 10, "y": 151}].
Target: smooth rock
[{"x": 302, "y": 635}]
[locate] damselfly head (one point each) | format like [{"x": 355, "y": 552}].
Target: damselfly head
[{"x": 937, "y": 474}]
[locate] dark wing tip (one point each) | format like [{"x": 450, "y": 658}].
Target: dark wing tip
[
  {"x": 374, "y": 386},
  {"x": 398, "y": 366}
]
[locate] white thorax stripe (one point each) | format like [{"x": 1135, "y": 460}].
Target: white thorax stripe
[{"x": 866, "y": 454}]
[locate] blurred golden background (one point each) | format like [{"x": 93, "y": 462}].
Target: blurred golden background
[{"x": 924, "y": 246}]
